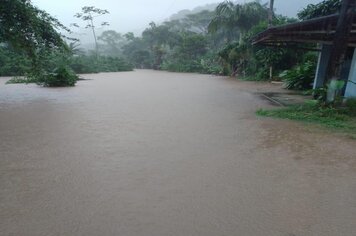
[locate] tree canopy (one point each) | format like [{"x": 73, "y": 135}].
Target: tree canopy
[
  {"x": 237, "y": 17},
  {"x": 88, "y": 14},
  {"x": 324, "y": 8},
  {"x": 28, "y": 28}
]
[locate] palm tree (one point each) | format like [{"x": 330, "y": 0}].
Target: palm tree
[
  {"x": 74, "y": 48},
  {"x": 238, "y": 17},
  {"x": 223, "y": 21}
]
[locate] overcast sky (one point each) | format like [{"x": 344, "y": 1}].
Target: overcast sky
[{"x": 134, "y": 15}]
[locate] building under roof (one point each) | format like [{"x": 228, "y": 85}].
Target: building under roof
[{"x": 318, "y": 31}]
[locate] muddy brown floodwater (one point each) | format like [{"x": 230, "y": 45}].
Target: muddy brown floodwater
[{"x": 150, "y": 153}]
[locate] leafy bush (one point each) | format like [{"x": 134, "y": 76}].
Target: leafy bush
[
  {"x": 350, "y": 105},
  {"x": 262, "y": 74},
  {"x": 300, "y": 77},
  {"x": 13, "y": 63},
  {"x": 61, "y": 76},
  {"x": 210, "y": 64}
]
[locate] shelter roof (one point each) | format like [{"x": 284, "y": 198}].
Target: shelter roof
[{"x": 317, "y": 30}]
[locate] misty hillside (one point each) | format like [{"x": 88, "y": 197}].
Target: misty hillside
[{"x": 183, "y": 13}]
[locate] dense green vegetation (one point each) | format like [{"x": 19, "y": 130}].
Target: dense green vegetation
[
  {"x": 214, "y": 41},
  {"x": 300, "y": 77},
  {"x": 206, "y": 41},
  {"x": 28, "y": 28},
  {"x": 28, "y": 36},
  {"x": 31, "y": 46},
  {"x": 324, "y": 8}
]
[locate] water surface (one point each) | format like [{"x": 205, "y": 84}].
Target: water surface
[{"x": 157, "y": 153}]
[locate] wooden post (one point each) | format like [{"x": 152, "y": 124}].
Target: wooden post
[
  {"x": 270, "y": 24},
  {"x": 340, "y": 40}
]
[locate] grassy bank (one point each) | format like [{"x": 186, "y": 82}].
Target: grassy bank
[{"x": 342, "y": 119}]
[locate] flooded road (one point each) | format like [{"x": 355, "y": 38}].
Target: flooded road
[{"x": 150, "y": 153}]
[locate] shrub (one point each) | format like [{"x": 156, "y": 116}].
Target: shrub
[
  {"x": 301, "y": 77},
  {"x": 210, "y": 64},
  {"x": 61, "y": 76},
  {"x": 350, "y": 105},
  {"x": 262, "y": 74}
]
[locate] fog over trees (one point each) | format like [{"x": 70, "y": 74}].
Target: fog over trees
[{"x": 133, "y": 16}]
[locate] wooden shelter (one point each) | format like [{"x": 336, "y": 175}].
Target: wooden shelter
[{"x": 319, "y": 31}]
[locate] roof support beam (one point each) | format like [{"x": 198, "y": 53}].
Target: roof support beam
[{"x": 340, "y": 41}]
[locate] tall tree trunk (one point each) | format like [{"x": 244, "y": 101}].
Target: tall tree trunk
[{"x": 94, "y": 35}]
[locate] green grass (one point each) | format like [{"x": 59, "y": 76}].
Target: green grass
[{"x": 341, "y": 119}]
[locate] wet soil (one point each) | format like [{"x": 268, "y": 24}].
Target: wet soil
[{"x": 157, "y": 153}]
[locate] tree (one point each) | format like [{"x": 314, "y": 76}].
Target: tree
[
  {"x": 13, "y": 63},
  {"x": 113, "y": 42},
  {"x": 324, "y": 8},
  {"x": 159, "y": 38},
  {"x": 223, "y": 21},
  {"x": 238, "y": 17},
  {"x": 138, "y": 52},
  {"x": 193, "y": 46},
  {"x": 28, "y": 28},
  {"x": 25, "y": 28},
  {"x": 129, "y": 36},
  {"x": 88, "y": 14},
  {"x": 200, "y": 21}
]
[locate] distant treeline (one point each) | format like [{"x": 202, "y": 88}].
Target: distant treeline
[
  {"x": 14, "y": 63},
  {"x": 209, "y": 41}
]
